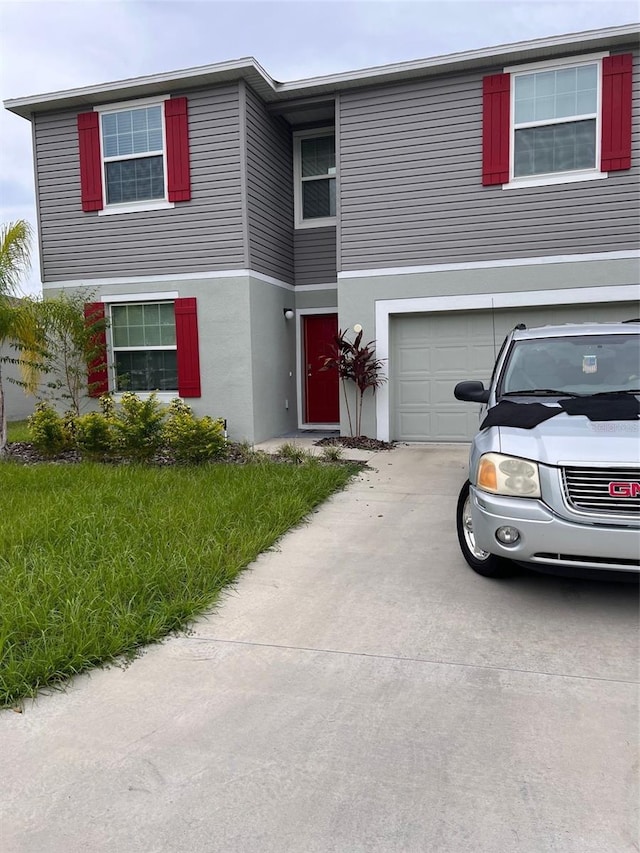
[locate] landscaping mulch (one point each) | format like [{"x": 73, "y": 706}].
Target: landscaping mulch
[
  {"x": 26, "y": 453},
  {"x": 361, "y": 442}
]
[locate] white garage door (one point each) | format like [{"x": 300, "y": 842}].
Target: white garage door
[{"x": 430, "y": 353}]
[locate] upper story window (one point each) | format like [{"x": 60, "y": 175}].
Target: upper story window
[
  {"x": 315, "y": 178},
  {"x": 133, "y": 152},
  {"x": 556, "y": 120},
  {"x": 134, "y": 156}
]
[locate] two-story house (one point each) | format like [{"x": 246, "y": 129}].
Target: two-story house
[{"x": 229, "y": 224}]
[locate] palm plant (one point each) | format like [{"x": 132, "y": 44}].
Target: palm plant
[
  {"x": 20, "y": 326},
  {"x": 355, "y": 362}
]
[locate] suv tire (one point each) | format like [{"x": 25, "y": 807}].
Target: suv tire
[{"x": 485, "y": 564}]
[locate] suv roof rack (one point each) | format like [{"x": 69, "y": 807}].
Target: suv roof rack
[{"x": 635, "y": 320}]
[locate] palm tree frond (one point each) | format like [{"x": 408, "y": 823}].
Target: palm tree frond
[{"x": 15, "y": 255}]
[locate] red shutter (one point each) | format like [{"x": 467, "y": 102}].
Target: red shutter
[
  {"x": 90, "y": 161},
  {"x": 616, "y": 112},
  {"x": 495, "y": 129},
  {"x": 177, "y": 131},
  {"x": 98, "y": 379},
  {"x": 187, "y": 345}
]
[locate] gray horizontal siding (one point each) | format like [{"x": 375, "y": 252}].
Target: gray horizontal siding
[
  {"x": 205, "y": 233},
  {"x": 411, "y": 192},
  {"x": 269, "y": 191},
  {"x": 315, "y": 255}
]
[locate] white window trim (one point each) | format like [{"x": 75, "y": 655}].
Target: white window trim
[
  {"x": 159, "y": 296},
  {"x": 552, "y": 64},
  {"x": 298, "y": 136},
  {"x": 553, "y": 178},
  {"x": 121, "y": 301},
  {"x": 134, "y": 206}
]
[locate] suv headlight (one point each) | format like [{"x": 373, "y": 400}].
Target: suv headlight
[{"x": 508, "y": 475}]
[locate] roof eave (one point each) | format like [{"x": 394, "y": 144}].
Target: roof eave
[
  {"x": 138, "y": 87},
  {"x": 272, "y": 91}
]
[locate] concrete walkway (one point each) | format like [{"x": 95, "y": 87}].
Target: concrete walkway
[
  {"x": 359, "y": 691},
  {"x": 308, "y": 443}
]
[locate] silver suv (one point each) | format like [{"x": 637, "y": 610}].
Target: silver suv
[{"x": 554, "y": 472}]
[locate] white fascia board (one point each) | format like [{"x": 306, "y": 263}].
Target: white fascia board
[{"x": 272, "y": 91}]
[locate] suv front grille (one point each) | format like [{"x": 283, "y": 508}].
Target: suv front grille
[{"x": 603, "y": 491}]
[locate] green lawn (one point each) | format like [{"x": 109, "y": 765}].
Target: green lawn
[
  {"x": 97, "y": 560},
  {"x": 18, "y": 431}
]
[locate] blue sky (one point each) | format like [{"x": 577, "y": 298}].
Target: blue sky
[{"x": 49, "y": 46}]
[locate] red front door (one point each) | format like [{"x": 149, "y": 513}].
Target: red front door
[{"x": 322, "y": 404}]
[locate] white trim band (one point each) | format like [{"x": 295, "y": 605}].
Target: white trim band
[
  {"x": 194, "y": 276},
  {"x": 486, "y": 265},
  {"x": 307, "y": 288},
  {"x": 127, "y": 281}
]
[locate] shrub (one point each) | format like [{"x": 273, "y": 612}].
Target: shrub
[
  {"x": 50, "y": 432},
  {"x": 244, "y": 453},
  {"x": 293, "y": 453},
  {"x": 193, "y": 440},
  {"x": 138, "y": 426},
  {"x": 332, "y": 453},
  {"x": 94, "y": 435},
  {"x": 108, "y": 406},
  {"x": 132, "y": 429}
]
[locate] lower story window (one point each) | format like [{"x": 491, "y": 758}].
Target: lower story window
[{"x": 144, "y": 346}]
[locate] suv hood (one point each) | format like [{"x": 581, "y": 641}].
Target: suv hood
[{"x": 575, "y": 440}]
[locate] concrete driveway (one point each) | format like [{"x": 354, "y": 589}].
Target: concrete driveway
[{"x": 359, "y": 690}]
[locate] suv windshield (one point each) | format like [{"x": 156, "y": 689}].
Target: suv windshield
[{"x": 585, "y": 364}]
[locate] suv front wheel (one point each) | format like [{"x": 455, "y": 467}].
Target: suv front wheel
[{"x": 482, "y": 562}]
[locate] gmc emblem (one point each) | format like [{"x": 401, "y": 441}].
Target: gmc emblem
[{"x": 624, "y": 489}]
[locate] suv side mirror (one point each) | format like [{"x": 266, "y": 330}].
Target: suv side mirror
[{"x": 471, "y": 392}]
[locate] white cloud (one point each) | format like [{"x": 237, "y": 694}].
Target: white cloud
[{"x": 48, "y": 46}]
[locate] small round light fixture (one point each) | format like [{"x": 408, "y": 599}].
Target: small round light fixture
[
  {"x": 507, "y": 535},
  {"x": 288, "y": 313},
  {"x": 357, "y": 328}
]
